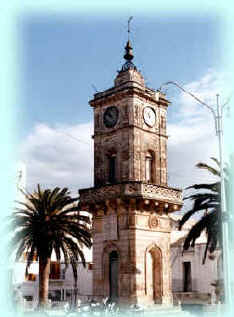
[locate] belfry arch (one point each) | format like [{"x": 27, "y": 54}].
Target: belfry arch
[
  {"x": 150, "y": 169},
  {"x": 112, "y": 166}
]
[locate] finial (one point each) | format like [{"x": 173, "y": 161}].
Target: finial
[
  {"x": 128, "y": 48},
  {"x": 128, "y": 51}
]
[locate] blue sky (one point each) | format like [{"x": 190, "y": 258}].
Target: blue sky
[{"x": 63, "y": 57}]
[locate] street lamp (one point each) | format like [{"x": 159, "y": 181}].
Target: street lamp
[{"x": 218, "y": 118}]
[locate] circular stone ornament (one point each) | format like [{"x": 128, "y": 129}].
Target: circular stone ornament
[{"x": 153, "y": 222}]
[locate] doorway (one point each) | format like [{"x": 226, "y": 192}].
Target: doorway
[
  {"x": 114, "y": 275},
  {"x": 154, "y": 274},
  {"x": 187, "y": 277}
]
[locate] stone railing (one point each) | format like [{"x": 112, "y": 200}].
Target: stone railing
[
  {"x": 163, "y": 193},
  {"x": 131, "y": 190}
]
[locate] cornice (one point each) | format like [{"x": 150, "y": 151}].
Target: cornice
[{"x": 118, "y": 94}]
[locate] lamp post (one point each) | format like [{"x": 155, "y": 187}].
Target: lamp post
[{"x": 218, "y": 118}]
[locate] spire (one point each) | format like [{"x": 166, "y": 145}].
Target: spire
[
  {"x": 128, "y": 56},
  {"x": 129, "y": 73}
]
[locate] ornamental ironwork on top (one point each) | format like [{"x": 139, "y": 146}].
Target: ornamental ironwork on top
[{"x": 128, "y": 56}]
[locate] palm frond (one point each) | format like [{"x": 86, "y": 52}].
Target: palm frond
[
  {"x": 216, "y": 161},
  {"x": 206, "y": 200},
  {"x": 203, "y": 224},
  {"x": 208, "y": 168},
  {"x": 213, "y": 186}
]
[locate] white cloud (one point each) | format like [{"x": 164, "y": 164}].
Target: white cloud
[
  {"x": 206, "y": 89},
  {"x": 59, "y": 156},
  {"x": 192, "y": 137}
]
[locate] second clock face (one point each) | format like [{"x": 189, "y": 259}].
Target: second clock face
[
  {"x": 110, "y": 117},
  {"x": 149, "y": 116}
]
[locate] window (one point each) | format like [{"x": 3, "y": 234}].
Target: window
[
  {"x": 28, "y": 298},
  {"x": 54, "y": 270},
  {"x": 55, "y": 295},
  {"x": 30, "y": 277},
  {"x": 68, "y": 293},
  {"x": 187, "y": 277},
  {"x": 149, "y": 168},
  {"x": 90, "y": 266},
  {"x": 63, "y": 274},
  {"x": 112, "y": 168}
]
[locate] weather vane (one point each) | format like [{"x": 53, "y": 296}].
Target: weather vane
[{"x": 129, "y": 20}]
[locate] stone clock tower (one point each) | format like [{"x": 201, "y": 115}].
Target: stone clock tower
[{"x": 130, "y": 200}]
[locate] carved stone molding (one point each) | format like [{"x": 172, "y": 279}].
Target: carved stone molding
[{"x": 131, "y": 190}]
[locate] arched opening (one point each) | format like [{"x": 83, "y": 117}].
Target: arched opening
[
  {"x": 153, "y": 276},
  {"x": 113, "y": 275},
  {"x": 149, "y": 167}
]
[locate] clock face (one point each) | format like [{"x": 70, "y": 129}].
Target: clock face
[
  {"x": 110, "y": 117},
  {"x": 149, "y": 116}
]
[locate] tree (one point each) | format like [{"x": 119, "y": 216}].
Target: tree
[
  {"x": 207, "y": 201},
  {"x": 49, "y": 221}
]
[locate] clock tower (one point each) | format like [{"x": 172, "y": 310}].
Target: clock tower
[{"x": 131, "y": 200}]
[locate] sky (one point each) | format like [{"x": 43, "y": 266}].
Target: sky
[{"x": 64, "y": 59}]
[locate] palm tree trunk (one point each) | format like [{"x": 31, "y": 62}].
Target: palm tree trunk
[{"x": 44, "y": 272}]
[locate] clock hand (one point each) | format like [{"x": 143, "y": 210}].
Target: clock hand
[{"x": 109, "y": 116}]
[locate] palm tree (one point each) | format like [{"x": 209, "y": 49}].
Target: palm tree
[
  {"x": 49, "y": 221},
  {"x": 207, "y": 201}
]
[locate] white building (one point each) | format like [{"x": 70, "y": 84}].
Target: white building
[
  {"x": 61, "y": 282},
  {"x": 191, "y": 280}
]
